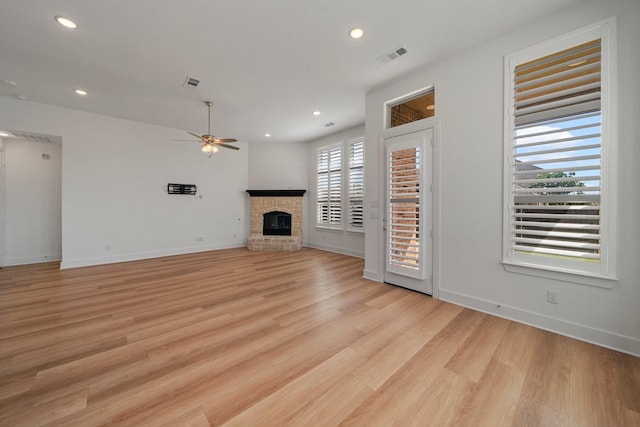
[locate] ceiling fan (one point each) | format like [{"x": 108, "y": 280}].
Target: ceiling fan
[{"x": 210, "y": 143}]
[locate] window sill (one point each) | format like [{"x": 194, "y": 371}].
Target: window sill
[
  {"x": 337, "y": 228},
  {"x": 562, "y": 275},
  {"x": 355, "y": 230}
]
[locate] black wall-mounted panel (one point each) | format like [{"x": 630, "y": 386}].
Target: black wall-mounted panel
[{"x": 182, "y": 189}]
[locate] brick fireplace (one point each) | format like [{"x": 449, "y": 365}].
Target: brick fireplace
[{"x": 270, "y": 204}]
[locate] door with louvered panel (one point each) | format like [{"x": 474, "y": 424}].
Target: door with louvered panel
[{"x": 408, "y": 217}]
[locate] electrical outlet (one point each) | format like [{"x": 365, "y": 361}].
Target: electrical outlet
[{"x": 552, "y": 296}]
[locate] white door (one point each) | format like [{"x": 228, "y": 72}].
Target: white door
[{"x": 408, "y": 216}]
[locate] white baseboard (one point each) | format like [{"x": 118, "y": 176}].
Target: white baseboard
[
  {"x": 335, "y": 249},
  {"x": 32, "y": 260},
  {"x": 371, "y": 275},
  {"x": 585, "y": 333},
  {"x": 85, "y": 262}
]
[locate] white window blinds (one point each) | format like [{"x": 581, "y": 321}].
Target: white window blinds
[
  {"x": 356, "y": 184},
  {"x": 555, "y": 209},
  {"x": 329, "y": 186}
]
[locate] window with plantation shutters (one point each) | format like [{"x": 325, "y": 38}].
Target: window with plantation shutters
[
  {"x": 558, "y": 184},
  {"x": 329, "y": 186},
  {"x": 356, "y": 184}
]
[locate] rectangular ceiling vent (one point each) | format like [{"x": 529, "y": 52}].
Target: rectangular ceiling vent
[
  {"x": 390, "y": 56},
  {"x": 36, "y": 137},
  {"x": 191, "y": 82}
]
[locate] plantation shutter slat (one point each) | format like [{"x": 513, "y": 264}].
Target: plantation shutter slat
[
  {"x": 554, "y": 180},
  {"x": 562, "y": 234},
  {"x": 554, "y": 141},
  {"x": 563, "y": 169},
  {"x": 556, "y": 151},
  {"x": 559, "y": 190},
  {"x": 562, "y": 159},
  {"x": 564, "y": 253}
]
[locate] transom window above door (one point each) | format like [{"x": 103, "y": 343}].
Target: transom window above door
[{"x": 411, "y": 109}]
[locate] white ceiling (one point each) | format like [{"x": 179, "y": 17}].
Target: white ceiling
[{"x": 266, "y": 65}]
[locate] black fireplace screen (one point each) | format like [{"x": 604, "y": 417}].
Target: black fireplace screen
[{"x": 276, "y": 224}]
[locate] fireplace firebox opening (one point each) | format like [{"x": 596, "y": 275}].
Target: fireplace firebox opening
[{"x": 276, "y": 223}]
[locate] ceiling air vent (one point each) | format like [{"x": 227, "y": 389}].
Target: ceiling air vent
[
  {"x": 36, "y": 137},
  {"x": 390, "y": 56},
  {"x": 191, "y": 82}
]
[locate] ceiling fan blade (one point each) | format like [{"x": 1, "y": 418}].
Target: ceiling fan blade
[
  {"x": 218, "y": 140},
  {"x": 185, "y": 140},
  {"x": 227, "y": 146},
  {"x": 196, "y": 135}
]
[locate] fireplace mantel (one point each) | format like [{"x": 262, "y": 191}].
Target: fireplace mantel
[{"x": 276, "y": 193}]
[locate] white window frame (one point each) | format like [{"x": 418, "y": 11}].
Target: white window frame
[
  {"x": 327, "y": 224},
  {"x": 604, "y": 273},
  {"x": 345, "y": 223},
  {"x": 349, "y": 197}
]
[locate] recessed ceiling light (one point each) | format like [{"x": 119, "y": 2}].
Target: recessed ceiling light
[
  {"x": 10, "y": 83},
  {"x": 3, "y": 133},
  {"x": 356, "y": 33},
  {"x": 80, "y": 92},
  {"x": 316, "y": 113},
  {"x": 66, "y": 22},
  {"x": 267, "y": 135},
  {"x": 431, "y": 107}
]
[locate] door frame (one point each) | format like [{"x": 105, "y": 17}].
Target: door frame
[{"x": 417, "y": 126}]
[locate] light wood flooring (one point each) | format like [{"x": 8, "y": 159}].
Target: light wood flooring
[{"x": 244, "y": 338}]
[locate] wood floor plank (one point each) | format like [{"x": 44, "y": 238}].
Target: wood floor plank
[
  {"x": 548, "y": 374},
  {"x": 518, "y": 346},
  {"x": 474, "y": 356},
  {"x": 530, "y": 413},
  {"x": 283, "y": 338},
  {"x": 192, "y": 418},
  {"x": 276, "y": 408},
  {"x": 495, "y": 397},
  {"x": 439, "y": 402},
  {"x": 595, "y": 393}
]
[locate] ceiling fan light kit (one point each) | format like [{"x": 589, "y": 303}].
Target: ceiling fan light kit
[{"x": 209, "y": 148}]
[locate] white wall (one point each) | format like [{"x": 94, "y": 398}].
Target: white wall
[
  {"x": 115, "y": 205},
  {"x": 32, "y": 196},
  {"x": 340, "y": 241},
  {"x": 274, "y": 166},
  {"x": 469, "y": 102}
]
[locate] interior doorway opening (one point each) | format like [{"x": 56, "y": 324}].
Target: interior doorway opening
[{"x": 30, "y": 198}]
